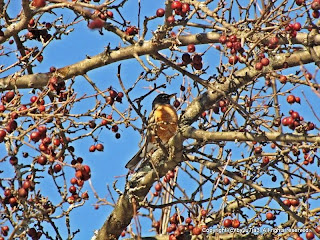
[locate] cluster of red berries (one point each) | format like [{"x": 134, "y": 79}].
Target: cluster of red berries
[
  {"x": 199, "y": 228},
  {"x": 174, "y": 220},
  {"x": 4, "y": 230},
  {"x": 99, "y": 18},
  {"x": 75, "y": 196},
  {"x": 36, "y": 105},
  {"x": 264, "y": 61},
  {"x": 34, "y": 234},
  {"x": 103, "y": 14},
  {"x": 315, "y": 6},
  {"x": 177, "y": 228},
  {"x": 10, "y": 198},
  {"x": 99, "y": 147},
  {"x": 114, "y": 96},
  {"x": 158, "y": 187},
  {"x": 293, "y": 28},
  {"x": 273, "y": 42},
  {"x": 294, "y": 120},
  {"x": 59, "y": 87},
  {"x": 82, "y": 174},
  {"x": 38, "y": 34},
  {"x": 178, "y": 7},
  {"x": 170, "y": 175},
  {"x": 309, "y": 236},
  {"x": 11, "y": 124},
  {"x": 108, "y": 120},
  {"x": 7, "y": 99},
  {"x": 34, "y": 52},
  {"x": 233, "y": 43},
  {"x": 292, "y": 99},
  {"x": 228, "y": 223},
  {"x": 196, "y": 60},
  {"x": 308, "y": 158},
  {"x": 35, "y": 101},
  {"x": 47, "y": 144},
  {"x": 27, "y": 185},
  {"x": 222, "y": 106},
  {"x": 78, "y": 182},
  {"x": 291, "y": 202},
  {"x": 41, "y": 134}
]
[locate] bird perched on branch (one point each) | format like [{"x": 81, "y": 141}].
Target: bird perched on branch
[{"x": 162, "y": 125}]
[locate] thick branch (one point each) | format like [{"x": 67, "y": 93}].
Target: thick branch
[
  {"x": 246, "y": 136},
  {"x": 148, "y": 47},
  {"x": 107, "y": 57}
]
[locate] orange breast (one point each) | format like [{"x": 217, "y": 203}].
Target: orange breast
[{"x": 166, "y": 120}]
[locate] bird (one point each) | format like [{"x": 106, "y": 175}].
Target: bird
[{"x": 162, "y": 125}]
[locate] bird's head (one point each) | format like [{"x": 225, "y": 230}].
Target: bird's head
[{"x": 162, "y": 98}]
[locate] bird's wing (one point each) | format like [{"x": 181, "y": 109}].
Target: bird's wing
[
  {"x": 133, "y": 162},
  {"x": 146, "y": 147}
]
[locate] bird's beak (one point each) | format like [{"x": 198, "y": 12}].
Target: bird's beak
[{"x": 172, "y": 95}]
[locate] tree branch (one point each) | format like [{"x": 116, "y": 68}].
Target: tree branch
[
  {"x": 246, "y": 136},
  {"x": 148, "y": 47}
]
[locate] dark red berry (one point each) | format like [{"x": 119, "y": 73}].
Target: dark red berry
[
  {"x": 191, "y": 48},
  {"x": 176, "y": 5},
  {"x": 171, "y": 19},
  {"x": 160, "y": 12}
]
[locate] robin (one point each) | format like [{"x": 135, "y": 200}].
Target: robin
[{"x": 162, "y": 125}]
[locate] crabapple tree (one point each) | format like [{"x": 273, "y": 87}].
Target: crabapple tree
[{"x": 245, "y": 153}]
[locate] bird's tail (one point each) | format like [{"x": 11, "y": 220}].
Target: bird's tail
[
  {"x": 134, "y": 161},
  {"x": 141, "y": 154}
]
